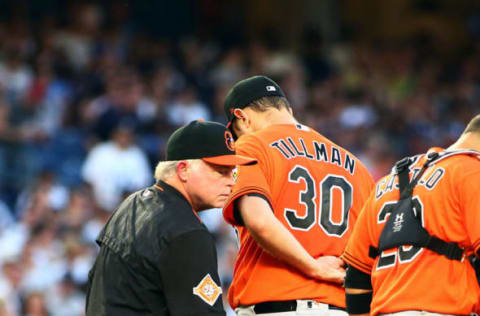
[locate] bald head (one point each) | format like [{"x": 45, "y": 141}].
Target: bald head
[
  {"x": 473, "y": 126},
  {"x": 470, "y": 139}
]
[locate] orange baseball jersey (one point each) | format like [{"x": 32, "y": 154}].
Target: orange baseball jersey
[
  {"x": 316, "y": 190},
  {"x": 413, "y": 278}
]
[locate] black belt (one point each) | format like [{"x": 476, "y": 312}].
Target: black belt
[{"x": 282, "y": 306}]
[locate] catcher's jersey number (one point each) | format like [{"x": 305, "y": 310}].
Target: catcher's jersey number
[
  {"x": 402, "y": 254},
  {"x": 308, "y": 197}
]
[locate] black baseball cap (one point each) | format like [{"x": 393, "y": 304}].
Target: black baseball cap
[
  {"x": 248, "y": 90},
  {"x": 212, "y": 142}
]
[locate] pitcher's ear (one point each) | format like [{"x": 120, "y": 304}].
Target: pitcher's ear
[{"x": 239, "y": 114}]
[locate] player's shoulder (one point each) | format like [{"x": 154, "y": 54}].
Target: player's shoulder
[
  {"x": 457, "y": 163},
  {"x": 359, "y": 165},
  {"x": 266, "y": 135},
  {"x": 465, "y": 160},
  {"x": 461, "y": 168},
  {"x": 249, "y": 144},
  {"x": 282, "y": 131},
  {"x": 385, "y": 189},
  {"x": 274, "y": 131}
]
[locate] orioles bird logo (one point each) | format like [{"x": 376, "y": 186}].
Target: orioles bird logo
[{"x": 229, "y": 141}]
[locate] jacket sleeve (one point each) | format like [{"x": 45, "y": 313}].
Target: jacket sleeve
[{"x": 189, "y": 275}]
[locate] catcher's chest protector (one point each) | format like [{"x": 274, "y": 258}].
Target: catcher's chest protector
[{"x": 404, "y": 226}]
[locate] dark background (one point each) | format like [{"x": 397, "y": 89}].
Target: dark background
[{"x": 91, "y": 90}]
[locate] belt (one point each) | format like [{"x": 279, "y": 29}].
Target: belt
[{"x": 282, "y": 306}]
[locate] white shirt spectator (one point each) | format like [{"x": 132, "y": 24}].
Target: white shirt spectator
[
  {"x": 10, "y": 297},
  {"x": 15, "y": 80},
  {"x": 12, "y": 241},
  {"x": 9, "y": 293},
  {"x": 186, "y": 108},
  {"x": 49, "y": 265},
  {"x": 112, "y": 170},
  {"x": 184, "y": 113},
  {"x": 6, "y": 218},
  {"x": 66, "y": 300}
]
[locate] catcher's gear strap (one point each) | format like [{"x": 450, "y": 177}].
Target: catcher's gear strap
[
  {"x": 358, "y": 303},
  {"x": 404, "y": 227},
  {"x": 357, "y": 279}
]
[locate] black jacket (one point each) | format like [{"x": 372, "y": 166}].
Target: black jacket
[{"x": 156, "y": 258}]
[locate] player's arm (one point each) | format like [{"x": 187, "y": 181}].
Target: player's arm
[
  {"x": 469, "y": 186},
  {"x": 273, "y": 237},
  {"x": 358, "y": 292},
  {"x": 358, "y": 286}
]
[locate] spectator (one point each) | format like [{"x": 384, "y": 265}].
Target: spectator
[
  {"x": 76, "y": 41},
  {"x": 186, "y": 108},
  {"x": 11, "y": 276},
  {"x": 34, "y": 305},
  {"x": 71, "y": 71},
  {"x": 3, "y": 308},
  {"x": 116, "y": 167},
  {"x": 66, "y": 299},
  {"x": 15, "y": 76}
]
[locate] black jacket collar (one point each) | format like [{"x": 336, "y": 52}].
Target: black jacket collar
[{"x": 168, "y": 188}]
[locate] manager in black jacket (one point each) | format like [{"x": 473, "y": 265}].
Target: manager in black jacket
[{"x": 156, "y": 256}]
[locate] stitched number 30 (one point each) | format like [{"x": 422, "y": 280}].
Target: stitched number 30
[{"x": 308, "y": 197}]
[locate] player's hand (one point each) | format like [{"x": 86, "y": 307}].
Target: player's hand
[{"x": 330, "y": 269}]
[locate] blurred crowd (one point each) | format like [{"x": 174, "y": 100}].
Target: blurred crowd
[{"x": 86, "y": 107}]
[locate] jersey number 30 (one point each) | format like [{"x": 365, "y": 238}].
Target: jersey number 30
[{"x": 308, "y": 197}]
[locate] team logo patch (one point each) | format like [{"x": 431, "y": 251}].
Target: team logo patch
[
  {"x": 271, "y": 88},
  {"x": 229, "y": 141},
  {"x": 235, "y": 174},
  {"x": 208, "y": 290}
]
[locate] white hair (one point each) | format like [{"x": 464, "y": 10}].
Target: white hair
[{"x": 166, "y": 169}]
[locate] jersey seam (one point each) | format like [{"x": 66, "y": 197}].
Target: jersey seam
[
  {"x": 356, "y": 263},
  {"x": 248, "y": 189},
  {"x": 265, "y": 153},
  {"x": 241, "y": 193},
  {"x": 476, "y": 245}
]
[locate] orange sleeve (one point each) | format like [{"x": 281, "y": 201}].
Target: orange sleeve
[
  {"x": 356, "y": 251},
  {"x": 469, "y": 189},
  {"x": 250, "y": 178}
]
